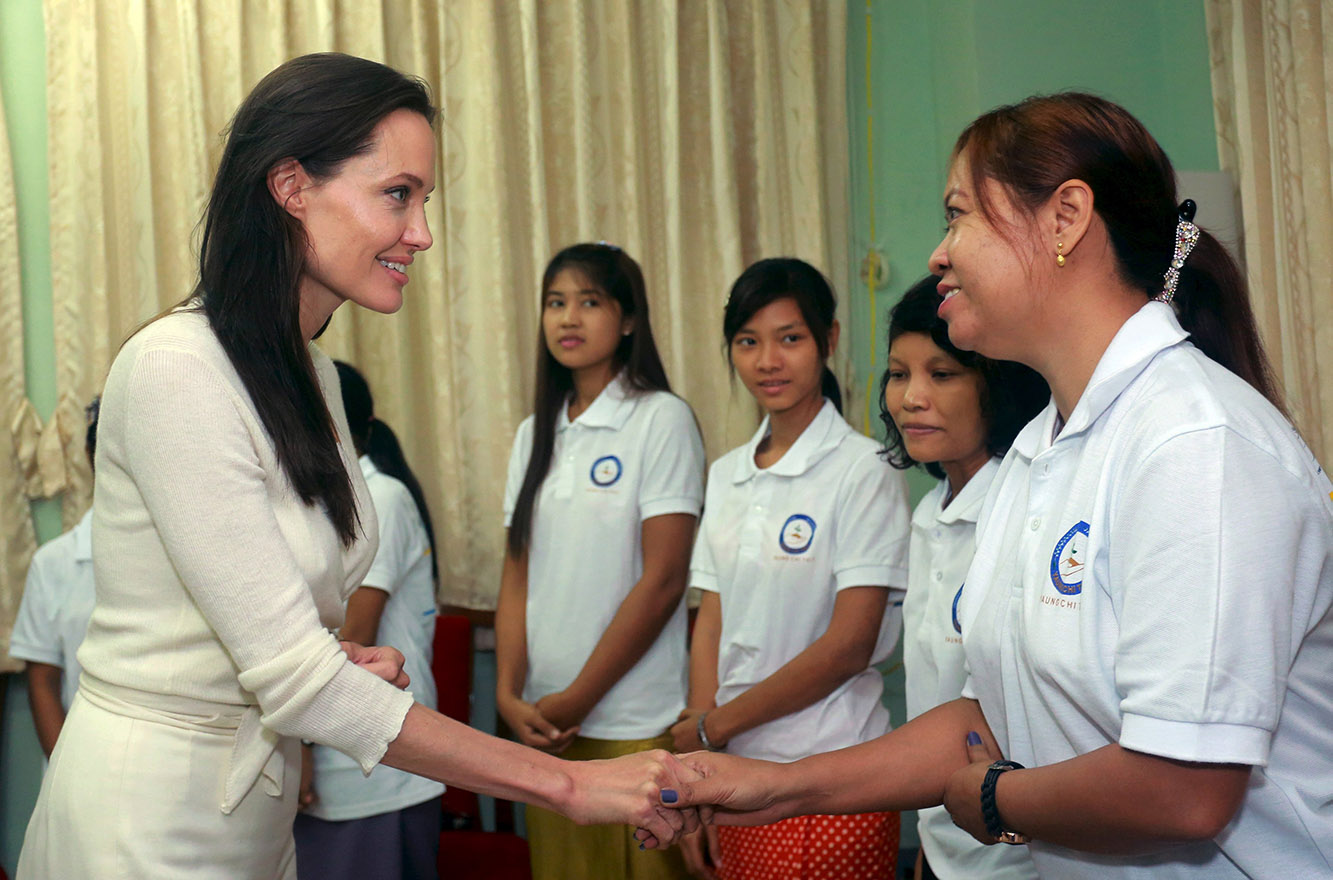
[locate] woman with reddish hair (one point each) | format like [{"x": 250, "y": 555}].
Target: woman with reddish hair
[{"x": 1148, "y": 619}]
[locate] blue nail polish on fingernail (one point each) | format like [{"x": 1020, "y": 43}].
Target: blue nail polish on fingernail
[
  {"x": 669, "y": 796},
  {"x": 973, "y": 738},
  {"x": 640, "y": 846}
]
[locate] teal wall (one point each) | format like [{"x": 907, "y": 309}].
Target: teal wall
[
  {"x": 936, "y": 66},
  {"x": 22, "y": 83}
]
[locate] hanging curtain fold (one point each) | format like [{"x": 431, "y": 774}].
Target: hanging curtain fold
[
  {"x": 1273, "y": 102},
  {"x": 19, "y": 431}
]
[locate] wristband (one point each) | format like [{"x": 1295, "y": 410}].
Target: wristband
[
  {"x": 990, "y": 813},
  {"x": 703, "y": 734}
]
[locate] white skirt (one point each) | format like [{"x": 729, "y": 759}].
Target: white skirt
[{"x": 137, "y": 794}]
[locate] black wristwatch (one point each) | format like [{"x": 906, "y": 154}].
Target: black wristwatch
[{"x": 989, "y": 812}]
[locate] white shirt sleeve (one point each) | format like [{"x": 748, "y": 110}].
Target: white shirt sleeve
[
  {"x": 395, "y": 510},
  {"x": 230, "y": 553},
  {"x": 673, "y": 462},
  {"x": 519, "y": 454},
  {"x": 872, "y": 528},
  {"x": 36, "y": 635},
  {"x": 1205, "y": 550}
]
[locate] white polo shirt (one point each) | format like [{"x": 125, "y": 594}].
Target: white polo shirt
[
  {"x": 777, "y": 544},
  {"x": 943, "y": 538},
  {"x": 401, "y": 569},
  {"x": 1161, "y": 576},
  {"x": 628, "y": 457},
  {"x": 58, "y": 599}
]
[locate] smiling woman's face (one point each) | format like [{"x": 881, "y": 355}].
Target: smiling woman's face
[
  {"x": 365, "y": 223},
  {"x": 990, "y": 280},
  {"x": 777, "y": 357}
]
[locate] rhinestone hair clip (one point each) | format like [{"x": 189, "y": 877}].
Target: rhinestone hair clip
[{"x": 1187, "y": 236}]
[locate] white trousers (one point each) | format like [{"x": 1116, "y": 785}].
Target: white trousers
[{"x": 135, "y": 792}]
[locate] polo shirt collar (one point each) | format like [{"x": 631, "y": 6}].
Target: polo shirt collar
[
  {"x": 966, "y": 505},
  {"x": 368, "y": 468},
  {"x": 83, "y": 538},
  {"x": 819, "y": 438},
  {"x": 1148, "y": 332},
  {"x": 611, "y": 409}
]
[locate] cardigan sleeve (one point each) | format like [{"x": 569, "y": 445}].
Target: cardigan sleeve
[{"x": 192, "y": 452}]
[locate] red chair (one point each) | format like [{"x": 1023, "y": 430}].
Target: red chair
[{"x": 466, "y": 852}]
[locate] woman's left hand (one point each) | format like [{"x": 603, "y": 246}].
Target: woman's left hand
[
  {"x": 685, "y": 732},
  {"x": 962, "y": 793},
  {"x": 382, "y": 660},
  {"x": 632, "y": 790}
]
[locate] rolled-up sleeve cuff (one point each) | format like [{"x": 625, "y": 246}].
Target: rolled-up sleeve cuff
[
  {"x": 869, "y": 576},
  {"x": 1210, "y": 743},
  {"x": 664, "y": 506}
]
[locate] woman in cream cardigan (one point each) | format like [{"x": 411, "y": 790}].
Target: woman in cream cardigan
[{"x": 231, "y": 522}]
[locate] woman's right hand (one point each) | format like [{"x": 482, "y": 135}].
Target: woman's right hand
[
  {"x": 638, "y": 789},
  {"x": 702, "y": 853},
  {"x": 531, "y": 728}
]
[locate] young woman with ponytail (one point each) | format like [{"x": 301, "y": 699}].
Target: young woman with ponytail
[
  {"x": 386, "y": 824},
  {"x": 802, "y": 559},
  {"x": 1148, "y": 618}
]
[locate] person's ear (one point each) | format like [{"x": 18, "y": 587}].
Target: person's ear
[
  {"x": 1069, "y": 213},
  {"x": 834, "y": 331},
  {"x": 287, "y": 182}
]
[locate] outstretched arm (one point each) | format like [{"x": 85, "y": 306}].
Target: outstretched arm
[
  {"x": 620, "y": 791},
  {"x": 905, "y": 769},
  {"x": 1111, "y": 800}
]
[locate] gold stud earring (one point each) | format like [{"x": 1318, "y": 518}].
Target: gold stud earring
[{"x": 1059, "y": 256}]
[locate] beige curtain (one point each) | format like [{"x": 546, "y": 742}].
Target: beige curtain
[
  {"x": 17, "y": 540},
  {"x": 698, "y": 136},
  {"x": 1272, "y": 71}
]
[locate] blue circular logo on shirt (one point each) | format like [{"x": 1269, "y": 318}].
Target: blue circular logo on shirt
[
  {"x": 797, "y": 533},
  {"x": 1068, "y": 560},
  {"x": 605, "y": 470},
  {"x": 957, "y": 627}
]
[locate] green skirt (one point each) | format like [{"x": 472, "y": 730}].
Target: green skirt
[{"x": 562, "y": 850}]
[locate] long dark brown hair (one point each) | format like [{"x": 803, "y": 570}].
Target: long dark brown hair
[
  {"x": 1032, "y": 147},
  {"x": 373, "y": 437},
  {"x": 320, "y": 110},
  {"x": 615, "y": 273}
]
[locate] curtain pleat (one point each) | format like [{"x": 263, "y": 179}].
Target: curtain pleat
[
  {"x": 698, "y": 137},
  {"x": 1272, "y": 75},
  {"x": 19, "y": 428}
]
